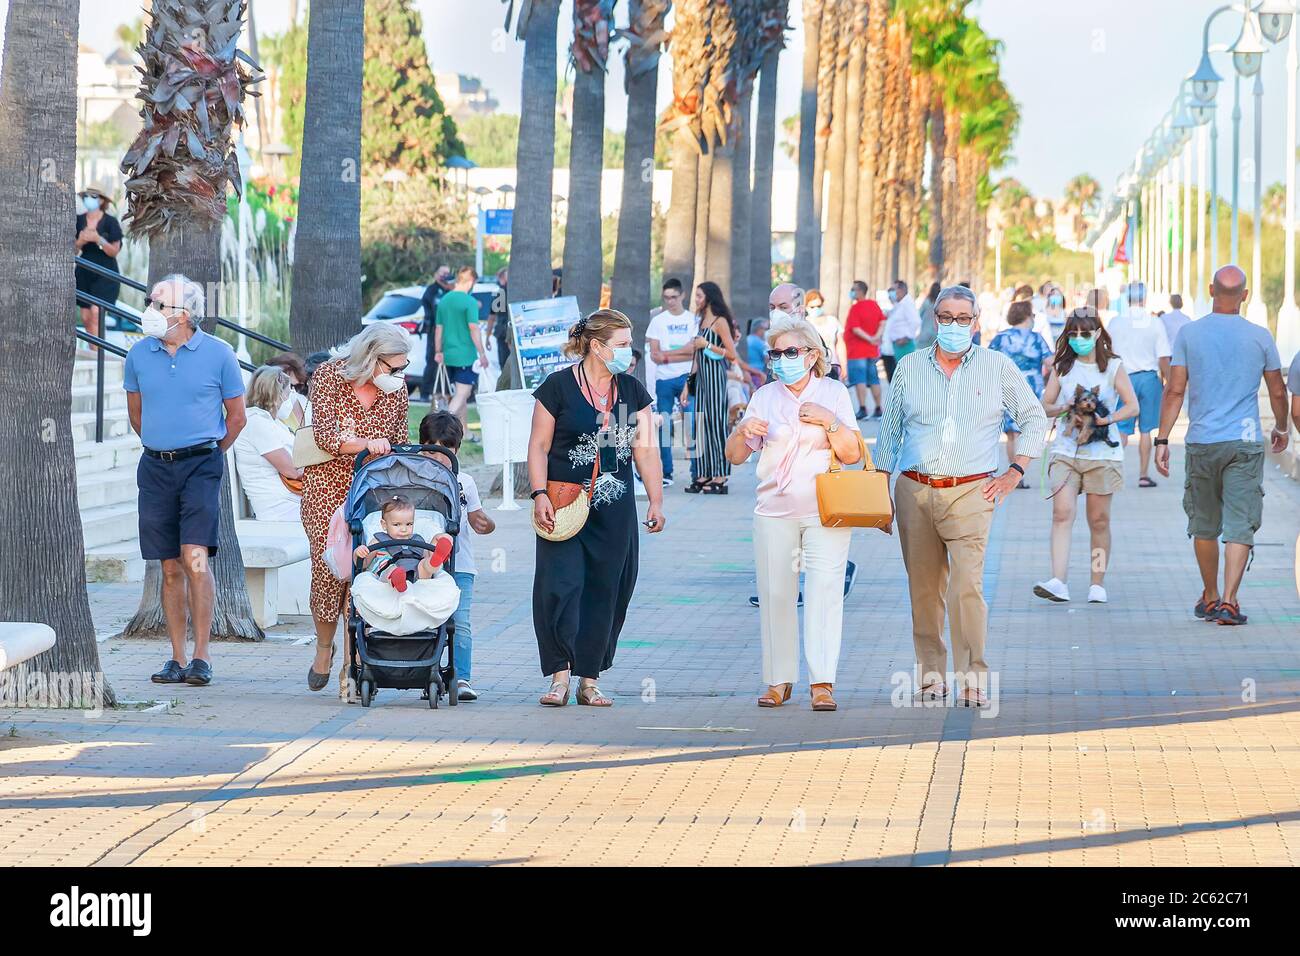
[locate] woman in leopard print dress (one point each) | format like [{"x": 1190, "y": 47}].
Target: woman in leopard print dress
[{"x": 358, "y": 403}]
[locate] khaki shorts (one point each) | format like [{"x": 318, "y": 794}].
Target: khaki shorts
[
  {"x": 1089, "y": 476},
  {"x": 1224, "y": 491}
]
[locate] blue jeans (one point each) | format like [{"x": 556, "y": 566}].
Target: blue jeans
[
  {"x": 464, "y": 633},
  {"x": 667, "y": 391}
]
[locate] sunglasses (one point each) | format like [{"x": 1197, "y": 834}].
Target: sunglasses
[
  {"x": 790, "y": 353},
  {"x": 395, "y": 369}
]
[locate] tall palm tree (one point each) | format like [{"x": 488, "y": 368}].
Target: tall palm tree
[
  {"x": 689, "y": 47},
  {"x": 325, "y": 308},
  {"x": 827, "y": 65},
  {"x": 1083, "y": 197},
  {"x": 774, "y": 23},
  {"x": 530, "y": 235},
  {"x": 919, "y": 107},
  {"x": 885, "y": 162},
  {"x": 807, "y": 216},
  {"x": 836, "y": 148},
  {"x": 178, "y": 169},
  {"x": 834, "y": 286},
  {"x": 720, "y": 122},
  {"x": 873, "y": 116},
  {"x": 589, "y": 54},
  {"x": 43, "y": 573},
  {"x": 645, "y": 36}
]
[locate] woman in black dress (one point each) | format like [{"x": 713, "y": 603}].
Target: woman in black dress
[
  {"x": 99, "y": 240},
  {"x": 590, "y": 415},
  {"x": 715, "y": 349}
]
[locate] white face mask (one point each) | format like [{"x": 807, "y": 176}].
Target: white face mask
[
  {"x": 389, "y": 383},
  {"x": 285, "y": 409},
  {"x": 154, "y": 323},
  {"x": 776, "y": 315}
]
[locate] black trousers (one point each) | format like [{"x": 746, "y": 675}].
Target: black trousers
[{"x": 890, "y": 362}]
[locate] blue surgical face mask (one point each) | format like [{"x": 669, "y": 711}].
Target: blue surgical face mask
[
  {"x": 1056, "y": 302},
  {"x": 1082, "y": 345},
  {"x": 90, "y": 203},
  {"x": 955, "y": 339},
  {"x": 814, "y": 310},
  {"x": 621, "y": 361},
  {"x": 893, "y": 297},
  {"x": 789, "y": 370}
]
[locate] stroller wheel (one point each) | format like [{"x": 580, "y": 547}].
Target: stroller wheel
[
  {"x": 432, "y": 692},
  {"x": 367, "y": 692}
]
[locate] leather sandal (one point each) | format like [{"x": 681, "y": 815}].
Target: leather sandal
[
  {"x": 973, "y": 697},
  {"x": 555, "y": 697},
  {"x": 821, "y": 697},
  {"x": 775, "y": 696},
  {"x": 589, "y": 695},
  {"x": 317, "y": 681}
]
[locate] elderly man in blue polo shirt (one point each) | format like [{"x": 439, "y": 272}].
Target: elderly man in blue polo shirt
[
  {"x": 185, "y": 398},
  {"x": 941, "y": 429}
]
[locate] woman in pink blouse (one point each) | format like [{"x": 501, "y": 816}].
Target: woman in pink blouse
[{"x": 793, "y": 423}]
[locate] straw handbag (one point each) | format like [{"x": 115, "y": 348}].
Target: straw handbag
[
  {"x": 855, "y": 499},
  {"x": 305, "y": 450},
  {"x": 572, "y": 503}
]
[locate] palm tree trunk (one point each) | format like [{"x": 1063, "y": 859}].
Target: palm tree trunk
[
  {"x": 325, "y": 308},
  {"x": 886, "y": 168},
  {"x": 899, "y": 142},
  {"x": 872, "y": 123},
  {"x": 740, "y": 229},
  {"x": 938, "y": 149},
  {"x": 834, "y": 291},
  {"x": 43, "y": 572},
  {"x": 530, "y": 235},
  {"x": 760, "y": 242},
  {"x": 703, "y": 194},
  {"x": 808, "y": 216},
  {"x": 679, "y": 231},
  {"x": 630, "y": 291},
  {"x": 827, "y": 58},
  {"x": 582, "y": 246},
  {"x": 951, "y": 184},
  {"x": 835, "y": 152}
]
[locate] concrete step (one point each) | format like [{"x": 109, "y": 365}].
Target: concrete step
[
  {"x": 84, "y": 396},
  {"x": 116, "y": 425},
  {"x": 94, "y": 457},
  {"x": 115, "y": 563},
  {"x": 112, "y": 486},
  {"x": 109, "y": 524},
  {"x": 83, "y": 373}
]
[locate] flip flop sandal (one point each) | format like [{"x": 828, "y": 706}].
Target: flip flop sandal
[{"x": 1146, "y": 483}]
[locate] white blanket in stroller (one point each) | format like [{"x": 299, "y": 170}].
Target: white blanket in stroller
[{"x": 423, "y": 606}]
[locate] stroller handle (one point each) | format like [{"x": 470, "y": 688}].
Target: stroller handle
[{"x": 411, "y": 449}]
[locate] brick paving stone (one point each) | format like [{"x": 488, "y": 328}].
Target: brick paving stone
[{"x": 1125, "y": 734}]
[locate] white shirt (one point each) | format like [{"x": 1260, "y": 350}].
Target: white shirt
[
  {"x": 1089, "y": 376},
  {"x": 672, "y": 332},
  {"x": 463, "y": 556},
  {"x": 270, "y": 499},
  {"x": 1139, "y": 339},
  {"x": 829, "y": 328},
  {"x": 904, "y": 321}
]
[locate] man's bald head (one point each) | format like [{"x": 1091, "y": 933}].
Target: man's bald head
[
  {"x": 788, "y": 298},
  {"x": 1228, "y": 290}
]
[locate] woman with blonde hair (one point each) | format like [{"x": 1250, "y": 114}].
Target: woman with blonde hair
[
  {"x": 795, "y": 422},
  {"x": 590, "y": 422},
  {"x": 264, "y": 449},
  {"x": 359, "y": 404}
]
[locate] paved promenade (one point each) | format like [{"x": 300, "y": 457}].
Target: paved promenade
[{"x": 1123, "y": 734}]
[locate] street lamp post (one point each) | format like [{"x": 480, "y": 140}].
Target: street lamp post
[
  {"x": 1288, "y": 315},
  {"x": 1257, "y": 310}
]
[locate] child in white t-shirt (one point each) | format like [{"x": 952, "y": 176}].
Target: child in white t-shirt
[{"x": 444, "y": 428}]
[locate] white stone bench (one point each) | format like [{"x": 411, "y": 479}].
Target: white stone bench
[
  {"x": 277, "y": 572},
  {"x": 21, "y": 642}
]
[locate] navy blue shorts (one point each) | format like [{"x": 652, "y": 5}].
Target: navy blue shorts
[
  {"x": 180, "y": 503},
  {"x": 462, "y": 374}
]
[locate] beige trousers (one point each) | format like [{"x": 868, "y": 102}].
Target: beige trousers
[
  {"x": 782, "y": 548},
  {"x": 944, "y": 532}
]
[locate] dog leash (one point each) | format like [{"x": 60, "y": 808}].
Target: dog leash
[{"x": 1042, "y": 480}]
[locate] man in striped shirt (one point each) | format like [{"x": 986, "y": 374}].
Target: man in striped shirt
[{"x": 941, "y": 428}]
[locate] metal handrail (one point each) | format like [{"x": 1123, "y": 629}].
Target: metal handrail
[
  {"x": 104, "y": 346},
  {"x": 141, "y": 287}
]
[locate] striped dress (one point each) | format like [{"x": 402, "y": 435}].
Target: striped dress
[{"x": 710, "y": 415}]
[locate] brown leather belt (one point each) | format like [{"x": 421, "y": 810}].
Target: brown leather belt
[{"x": 935, "y": 481}]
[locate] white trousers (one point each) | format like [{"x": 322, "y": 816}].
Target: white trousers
[{"x": 782, "y": 548}]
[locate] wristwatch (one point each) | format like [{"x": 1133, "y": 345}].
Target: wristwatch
[
  {"x": 539, "y": 491},
  {"x": 1017, "y": 468},
  {"x": 833, "y": 427},
  {"x": 1161, "y": 441}
]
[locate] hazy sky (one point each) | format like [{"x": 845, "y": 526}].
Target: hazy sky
[{"x": 1093, "y": 77}]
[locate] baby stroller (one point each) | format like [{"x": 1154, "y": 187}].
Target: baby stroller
[{"x": 410, "y": 660}]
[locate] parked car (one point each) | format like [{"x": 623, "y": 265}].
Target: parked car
[{"x": 402, "y": 306}]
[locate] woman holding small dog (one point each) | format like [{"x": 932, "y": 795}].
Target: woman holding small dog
[{"x": 1086, "y": 458}]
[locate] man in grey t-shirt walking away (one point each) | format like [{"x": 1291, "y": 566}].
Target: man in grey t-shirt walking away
[{"x": 1218, "y": 361}]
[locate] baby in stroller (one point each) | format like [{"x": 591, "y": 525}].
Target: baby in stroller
[{"x": 397, "y": 518}]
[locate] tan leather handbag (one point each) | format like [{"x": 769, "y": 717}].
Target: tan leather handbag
[
  {"x": 305, "y": 450},
  {"x": 572, "y": 503},
  {"x": 855, "y": 499}
]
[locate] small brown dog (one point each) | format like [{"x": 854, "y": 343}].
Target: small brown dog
[
  {"x": 1083, "y": 413},
  {"x": 734, "y": 414}
]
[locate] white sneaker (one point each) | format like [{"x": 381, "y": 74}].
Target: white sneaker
[
  {"x": 465, "y": 692},
  {"x": 1053, "y": 590},
  {"x": 1096, "y": 594}
]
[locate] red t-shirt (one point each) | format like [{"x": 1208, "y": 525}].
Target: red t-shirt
[{"x": 867, "y": 316}]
